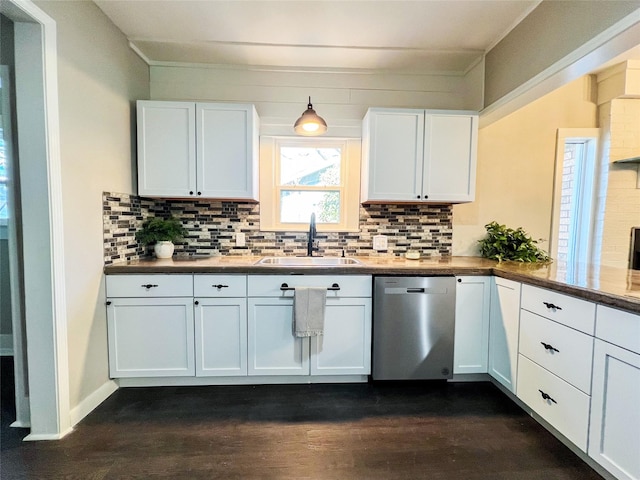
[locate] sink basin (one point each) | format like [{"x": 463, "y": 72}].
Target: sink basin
[{"x": 309, "y": 261}]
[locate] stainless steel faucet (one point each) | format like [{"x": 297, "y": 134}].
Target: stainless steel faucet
[{"x": 311, "y": 247}]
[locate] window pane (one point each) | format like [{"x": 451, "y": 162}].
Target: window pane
[
  {"x": 297, "y": 207},
  {"x": 310, "y": 166}
]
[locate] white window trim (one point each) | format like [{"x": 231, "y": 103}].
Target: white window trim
[
  {"x": 590, "y": 137},
  {"x": 269, "y": 174}
]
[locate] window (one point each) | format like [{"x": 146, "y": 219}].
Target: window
[
  {"x": 301, "y": 176},
  {"x": 573, "y": 204}
]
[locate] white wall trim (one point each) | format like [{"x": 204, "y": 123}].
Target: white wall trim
[
  {"x": 47, "y": 333},
  {"x": 36, "y": 437},
  {"x": 90, "y": 402},
  {"x": 6, "y": 345},
  {"x": 615, "y": 40}
]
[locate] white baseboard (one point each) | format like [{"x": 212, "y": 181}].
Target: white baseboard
[
  {"x": 18, "y": 424},
  {"x": 87, "y": 405},
  {"x": 36, "y": 437},
  {"x": 6, "y": 345}
]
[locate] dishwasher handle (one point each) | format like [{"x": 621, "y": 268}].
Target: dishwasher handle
[{"x": 415, "y": 290}]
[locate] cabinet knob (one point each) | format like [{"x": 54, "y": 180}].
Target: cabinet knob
[
  {"x": 196, "y": 302},
  {"x": 190, "y": 192},
  {"x": 418, "y": 196},
  {"x": 109, "y": 302},
  {"x": 426, "y": 196},
  {"x": 199, "y": 193},
  {"x": 459, "y": 280}
]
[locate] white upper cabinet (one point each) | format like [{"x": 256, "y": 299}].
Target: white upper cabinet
[
  {"x": 197, "y": 150},
  {"x": 418, "y": 156},
  {"x": 166, "y": 149}
]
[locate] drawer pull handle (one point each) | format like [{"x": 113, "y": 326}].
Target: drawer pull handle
[
  {"x": 546, "y": 396},
  {"x": 551, "y": 306},
  {"x": 284, "y": 287},
  {"x": 220, "y": 286},
  {"x": 148, "y": 286},
  {"x": 550, "y": 347}
]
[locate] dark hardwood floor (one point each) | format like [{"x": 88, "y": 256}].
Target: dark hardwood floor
[{"x": 368, "y": 431}]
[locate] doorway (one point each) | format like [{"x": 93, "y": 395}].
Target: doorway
[{"x": 574, "y": 198}]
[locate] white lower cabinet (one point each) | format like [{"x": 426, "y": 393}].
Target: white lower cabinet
[
  {"x": 503, "y": 331},
  {"x": 614, "y": 432},
  {"x": 150, "y": 337},
  {"x": 273, "y": 349},
  {"x": 345, "y": 347},
  {"x": 471, "y": 345},
  {"x": 221, "y": 336},
  {"x": 561, "y": 404}
]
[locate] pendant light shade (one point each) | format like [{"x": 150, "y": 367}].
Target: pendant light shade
[{"x": 310, "y": 123}]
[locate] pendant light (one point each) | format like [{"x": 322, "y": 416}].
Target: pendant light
[{"x": 310, "y": 123}]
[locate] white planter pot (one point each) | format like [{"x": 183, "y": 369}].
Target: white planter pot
[{"x": 163, "y": 249}]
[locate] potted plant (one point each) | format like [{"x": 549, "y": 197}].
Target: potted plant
[
  {"x": 161, "y": 233},
  {"x": 503, "y": 243}
]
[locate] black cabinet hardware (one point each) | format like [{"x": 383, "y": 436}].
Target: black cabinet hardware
[
  {"x": 546, "y": 396},
  {"x": 285, "y": 287},
  {"x": 550, "y": 347},
  {"x": 196, "y": 302},
  {"x": 109, "y": 302},
  {"x": 199, "y": 193},
  {"x": 148, "y": 286},
  {"x": 220, "y": 286},
  {"x": 551, "y": 306},
  {"x": 191, "y": 193},
  {"x": 418, "y": 196}
]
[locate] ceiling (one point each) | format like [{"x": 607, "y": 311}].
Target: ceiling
[{"x": 421, "y": 36}]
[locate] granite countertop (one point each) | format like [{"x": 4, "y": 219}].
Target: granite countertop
[{"x": 619, "y": 288}]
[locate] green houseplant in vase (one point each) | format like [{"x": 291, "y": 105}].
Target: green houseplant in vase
[
  {"x": 161, "y": 233},
  {"x": 503, "y": 243}
]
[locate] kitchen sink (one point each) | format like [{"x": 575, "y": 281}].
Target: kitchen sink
[{"x": 309, "y": 261}]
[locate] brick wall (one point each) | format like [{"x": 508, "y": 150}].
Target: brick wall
[{"x": 212, "y": 226}]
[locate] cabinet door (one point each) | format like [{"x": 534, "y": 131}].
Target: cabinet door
[
  {"x": 227, "y": 162},
  {"x": 272, "y": 348},
  {"x": 450, "y": 151},
  {"x": 345, "y": 347},
  {"x": 221, "y": 336},
  {"x": 471, "y": 345},
  {"x": 614, "y": 433},
  {"x": 166, "y": 149},
  {"x": 392, "y": 155},
  {"x": 504, "y": 331},
  {"x": 150, "y": 337}
]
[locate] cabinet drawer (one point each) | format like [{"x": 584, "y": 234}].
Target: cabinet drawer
[
  {"x": 568, "y": 412},
  {"x": 570, "y": 311},
  {"x": 142, "y": 286},
  {"x": 269, "y": 285},
  {"x": 568, "y": 353},
  {"x": 618, "y": 327},
  {"x": 220, "y": 285}
]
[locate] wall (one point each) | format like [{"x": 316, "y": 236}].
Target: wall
[
  {"x": 99, "y": 77},
  {"x": 552, "y": 31},
  {"x": 6, "y": 58},
  {"x": 341, "y": 97},
  {"x": 622, "y": 207},
  {"x": 211, "y": 228},
  {"x": 516, "y": 159}
]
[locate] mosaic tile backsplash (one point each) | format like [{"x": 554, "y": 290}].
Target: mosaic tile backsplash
[{"x": 212, "y": 226}]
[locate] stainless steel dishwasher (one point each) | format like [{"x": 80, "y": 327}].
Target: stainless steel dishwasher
[{"x": 413, "y": 326}]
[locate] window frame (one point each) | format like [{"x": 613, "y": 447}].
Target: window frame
[{"x": 270, "y": 187}]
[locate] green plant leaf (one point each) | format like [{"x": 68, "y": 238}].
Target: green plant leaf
[{"x": 503, "y": 243}]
